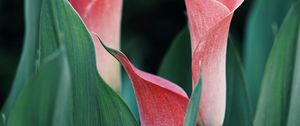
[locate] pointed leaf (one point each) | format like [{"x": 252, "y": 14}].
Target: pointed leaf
[
  {"x": 209, "y": 22},
  {"x": 45, "y": 99},
  {"x": 191, "y": 114},
  {"x": 273, "y": 105},
  {"x": 238, "y": 105},
  {"x": 104, "y": 18},
  {"x": 294, "y": 112},
  {"x": 94, "y": 102},
  {"x": 262, "y": 26},
  {"x": 176, "y": 65},
  {"x": 160, "y": 101},
  {"x": 27, "y": 65}
]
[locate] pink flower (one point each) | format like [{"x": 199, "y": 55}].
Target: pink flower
[
  {"x": 209, "y": 22},
  {"x": 160, "y": 101}
]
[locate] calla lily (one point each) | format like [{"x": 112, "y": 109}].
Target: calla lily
[
  {"x": 160, "y": 102},
  {"x": 209, "y": 22},
  {"x": 104, "y": 18},
  {"x": 163, "y": 103}
]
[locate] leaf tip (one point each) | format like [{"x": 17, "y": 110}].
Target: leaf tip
[{"x": 110, "y": 50}]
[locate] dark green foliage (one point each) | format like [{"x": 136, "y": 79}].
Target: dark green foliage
[
  {"x": 28, "y": 62},
  {"x": 238, "y": 105},
  {"x": 93, "y": 102},
  {"x": 176, "y": 65},
  {"x": 46, "y": 99},
  {"x": 275, "y": 94},
  {"x": 262, "y": 26}
]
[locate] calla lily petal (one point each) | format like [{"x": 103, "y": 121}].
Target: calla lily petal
[
  {"x": 160, "y": 102},
  {"x": 104, "y": 18},
  {"x": 209, "y": 22}
]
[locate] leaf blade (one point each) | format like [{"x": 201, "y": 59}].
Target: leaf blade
[
  {"x": 273, "y": 104},
  {"x": 104, "y": 18},
  {"x": 48, "y": 93},
  {"x": 192, "y": 112},
  {"x": 27, "y": 65},
  {"x": 176, "y": 65},
  {"x": 294, "y": 111},
  {"x": 94, "y": 102},
  {"x": 261, "y": 29},
  {"x": 238, "y": 106}
]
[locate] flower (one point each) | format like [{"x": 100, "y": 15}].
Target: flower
[
  {"x": 160, "y": 101},
  {"x": 209, "y": 22}
]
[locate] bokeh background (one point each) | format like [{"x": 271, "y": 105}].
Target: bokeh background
[{"x": 148, "y": 28}]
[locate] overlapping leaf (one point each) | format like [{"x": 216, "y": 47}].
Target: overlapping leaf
[
  {"x": 274, "y": 99},
  {"x": 128, "y": 95},
  {"x": 238, "y": 105},
  {"x": 160, "y": 101},
  {"x": 209, "y": 22},
  {"x": 46, "y": 99},
  {"x": 294, "y": 110},
  {"x": 27, "y": 65},
  {"x": 176, "y": 65},
  {"x": 94, "y": 102},
  {"x": 265, "y": 19},
  {"x": 192, "y": 112},
  {"x": 104, "y": 18}
]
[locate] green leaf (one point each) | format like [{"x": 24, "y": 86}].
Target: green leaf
[
  {"x": 274, "y": 99},
  {"x": 128, "y": 95},
  {"x": 238, "y": 106},
  {"x": 294, "y": 112},
  {"x": 176, "y": 65},
  {"x": 27, "y": 65},
  {"x": 192, "y": 112},
  {"x": 263, "y": 24},
  {"x": 94, "y": 102},
  {"x": 2, "y": 119},
  {"x": 45, "y": 99}
]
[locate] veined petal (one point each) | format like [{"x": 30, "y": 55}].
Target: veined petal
[
  {"x": 104, "y": 18},
  {"x": 160, "y": 102},
  {"x": 209, "y": 22}
]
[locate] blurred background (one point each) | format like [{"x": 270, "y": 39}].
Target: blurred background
[{"x": 148, "y": 28}]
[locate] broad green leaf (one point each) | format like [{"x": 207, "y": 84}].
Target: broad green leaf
[
  {"x": 238, "y": 106},
  {"x": 94, "y": 102},
  {"x": 46, "y": 99},
  {"x": 104, "y": 18},
  {"x": 273, "y": 105},
  {"x": 176, "y": 65},
  {"x": 294, "y": 112},
  {"x": 265, "y": 19},
  {"x": 27, "y": 65},
  {"x": 192, "y": 112}
]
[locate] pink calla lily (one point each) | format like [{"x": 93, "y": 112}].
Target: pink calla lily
[
  {"x": 209, "y": 22},
  {"x": 104, "y": 18},
  {"x": 160, "y": 101}
]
